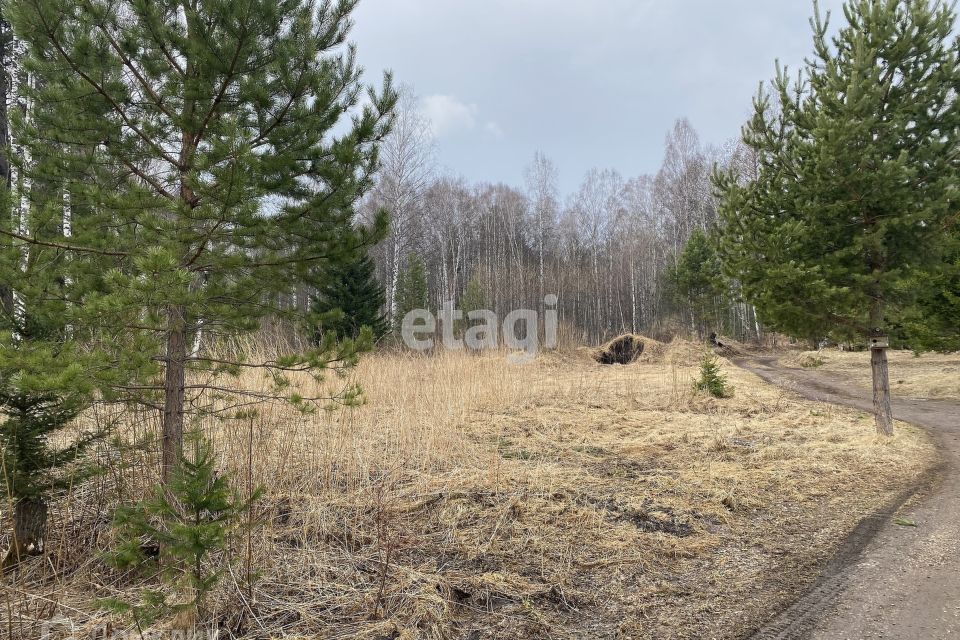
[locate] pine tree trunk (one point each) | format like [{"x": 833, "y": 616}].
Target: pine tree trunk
[
  {"x": 173, "y": 390},
  {"x": 29, "y": 527},
  {"x": 881, "y": 391}
]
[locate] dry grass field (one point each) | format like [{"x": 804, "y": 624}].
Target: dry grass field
[
  {"x": 471, "y": 498},
  {"x": 930, "y": 375}
]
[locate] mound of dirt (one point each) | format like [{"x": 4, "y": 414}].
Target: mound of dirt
[
  {"x": 621, "y": 350},
  {"x": 632, "y": 347}
]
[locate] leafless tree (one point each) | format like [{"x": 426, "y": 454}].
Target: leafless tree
[
  {"x": 407, "y": 166},
  {"x": 606, "y": 253},
  {"x": 541, "y": 182}
]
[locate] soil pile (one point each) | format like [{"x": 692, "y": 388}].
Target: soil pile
[{"x": 621, "y": 350}]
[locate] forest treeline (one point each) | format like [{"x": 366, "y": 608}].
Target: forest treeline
[{"x": 613, "y": 251}]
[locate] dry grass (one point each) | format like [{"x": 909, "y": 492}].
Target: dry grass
[
  {"x": 931, "y": 375},
  {"x": 471, "y": 498}
]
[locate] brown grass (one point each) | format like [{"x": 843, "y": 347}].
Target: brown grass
[
  {"x": 931, "y": 375},
  {"x": 471, "y": 498}
]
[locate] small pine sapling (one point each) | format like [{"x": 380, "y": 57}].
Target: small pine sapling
[
  {"x": 191, "y": 519},
  {"x": 711, "y": 379}
]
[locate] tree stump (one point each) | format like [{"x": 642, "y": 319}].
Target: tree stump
[{"x": 29, "y": 526}]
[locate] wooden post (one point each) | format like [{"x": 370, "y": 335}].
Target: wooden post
[{"x": 881, "y": 384}]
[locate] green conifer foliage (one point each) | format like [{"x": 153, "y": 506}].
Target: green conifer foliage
[
  {"x": 191, "y": 519},
  {"x": 50, "y": 366},
  {"x": 473, "y": 299},
  {"x": 350, "y": 298},
  {"x": 712, "y": 379},
  {"x": 698, "y": 283},
  {"x": 412, "y": 292},
  {"x": 195, "y": 145},
  {"x": 933, "y": 323},
  {"x": 857, "y": 184}
]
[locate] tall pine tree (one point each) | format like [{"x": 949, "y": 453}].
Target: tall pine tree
[
  {"x": 857, "y": 183},
  {"x": 933, "y": 323},
  {"x": 194, "y": 145},
  {"x": 49, "y": 366}
]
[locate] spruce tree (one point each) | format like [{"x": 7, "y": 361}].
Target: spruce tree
[
  {"x": 473, "y": 299},
  {"x": 712, "y": 380},
  {"x": 412, "y": 290},
  {"x": 195, "y": 146},
  {"x": 857, "y": 184},
  {"x": 698, "y": 283},
  {"x": 349, "y": 298}
]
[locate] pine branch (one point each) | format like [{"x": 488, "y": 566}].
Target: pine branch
[
  {"x": 61, "y": 245},
  {"x": 157, "y": 100},
  {"x": 51, "y": 34},
  {"x": 222, "y": 91}
]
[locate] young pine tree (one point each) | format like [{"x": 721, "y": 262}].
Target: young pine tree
[
  {"x": 698, "y": 283},
  {"x": 198, "y": 144},
  {"x": 412, "y": 290},
  {"x": 191, "y": 519},
  {"x": 50, "y": 367},
  {"x": 857, "y": 184},
  {"x": 349, "y": 298}
]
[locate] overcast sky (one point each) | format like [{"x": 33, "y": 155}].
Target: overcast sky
[{"x": 591, "y": 84}]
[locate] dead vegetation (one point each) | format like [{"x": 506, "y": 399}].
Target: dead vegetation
[
  {"x": 930, "y": 375},
  {"x": 628, "y": 349},
  {"x": 470, "y": 498},
  {"x": 623, "y": 349}
]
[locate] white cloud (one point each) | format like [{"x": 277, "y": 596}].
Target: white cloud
[
  {"x": 494, "y": 129},
  {"x": 447, "y": 114}
]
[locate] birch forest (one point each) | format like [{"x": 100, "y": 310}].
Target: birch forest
[{"x": 607, "y": 250}]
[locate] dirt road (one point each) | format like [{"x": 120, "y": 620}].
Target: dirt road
[{"x": 890, "y": 579}]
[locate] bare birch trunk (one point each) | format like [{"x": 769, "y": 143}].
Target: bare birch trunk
[{"x": 394, "y": 276}]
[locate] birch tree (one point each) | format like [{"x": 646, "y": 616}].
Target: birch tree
[{"x": 407, "y": 167}]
